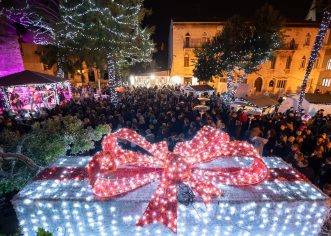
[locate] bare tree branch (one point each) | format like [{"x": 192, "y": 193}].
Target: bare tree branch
[{"x": 19, "y": 157}]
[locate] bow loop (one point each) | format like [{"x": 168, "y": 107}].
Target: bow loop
[{"x": 109, "y": 177}]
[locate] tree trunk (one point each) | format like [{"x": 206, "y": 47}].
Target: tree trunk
[
  {"x": 229, "y": 86},
  {"x": 6, "y": 99},
  {"x": 112, "y": 79},
  {"x": 60, "y": 65},
  {"x": 314, "y": 53},
  {"x": 232, "y": 93}
]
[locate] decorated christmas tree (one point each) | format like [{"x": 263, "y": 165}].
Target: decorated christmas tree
[
  {"x": 110, "y": 33},
  {"x": 98, "y": 32}
]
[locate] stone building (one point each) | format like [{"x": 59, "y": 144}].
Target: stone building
[
  {"x": 283, "y": 74},
  {"x": 18, "y": 52}
]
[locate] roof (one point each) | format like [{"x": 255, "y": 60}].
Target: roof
[
  {"x": 156, "y": 73},
  {"x": 209, "y": 10},
  {"x": 29, "y": 77},
  {"x": 262, "y": 100},
  {"x": 221, "y": 21},
  {"x": 318, "y": 98},
  {"x": 202, "y": 87}
]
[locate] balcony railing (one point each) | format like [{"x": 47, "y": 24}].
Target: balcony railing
[
  {"x": 192, "y": 43},
  {"x": 289, "y": 46}
]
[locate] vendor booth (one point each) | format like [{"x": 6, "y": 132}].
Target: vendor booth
[
  {"x": 30, "y": 90},
  {"x": 198, "y": 90},
  {"x": 311, "y": 103},
  {"x": 255, "y": 105}
]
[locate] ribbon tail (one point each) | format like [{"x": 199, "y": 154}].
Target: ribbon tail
[
  {"x": 162, "y": 207},
  {"x": 202, "y": 185},
  {"x": 241, "y": 176}
]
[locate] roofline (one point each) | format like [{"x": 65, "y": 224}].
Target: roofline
[{"x": 303, "y": 23}]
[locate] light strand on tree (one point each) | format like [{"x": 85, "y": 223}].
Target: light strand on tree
[
  {"x": 229, "y": 85},
  {"x": 314, "y": 54},
  {"x": 112, "y": 80},
  {"x": 5, "y": 98},
  {"x": 232, "y": 92}
]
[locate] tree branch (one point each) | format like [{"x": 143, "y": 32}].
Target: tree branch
[{"x": 19, "y": 157}]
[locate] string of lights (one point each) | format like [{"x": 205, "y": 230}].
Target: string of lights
[{"x": 314, "y": 54}]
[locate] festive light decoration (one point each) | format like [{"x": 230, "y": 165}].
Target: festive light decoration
[
  {"x": 171, "y": 168},
  {"x": 61, "y": 200},
  {"x": 254, "y": 44},
  {"x": 5, "y": 99},
  {"x": 95, "y": 29},
  {"x": 112, "y": 80},
  {"x": 230, "y": 95},
  {"x": 114, "y": 32},
  {"x": 326, "y": 20}
]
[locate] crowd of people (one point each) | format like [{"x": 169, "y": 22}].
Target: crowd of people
[{"x": 165, "y": 114}]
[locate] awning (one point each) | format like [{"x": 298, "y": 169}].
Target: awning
[
  {"x": 262, "y": 101},
  {"x": 28, "y": 77}
]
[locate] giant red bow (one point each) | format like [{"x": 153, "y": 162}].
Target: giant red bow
[{"x": 170, "y": 168}]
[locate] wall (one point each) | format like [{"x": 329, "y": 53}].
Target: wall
[
  {"x": 10, "y": 58},
  {"x": 31, "y": 60}
]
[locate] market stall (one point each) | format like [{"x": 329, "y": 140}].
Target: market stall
[
  {"x": 255, "y": 105},
  {"x": 198, "y": 90},
  {"x": 30, "y": 90},
  {"x": 311, "y": 103}
]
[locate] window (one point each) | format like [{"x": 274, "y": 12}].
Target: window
[
  {"x": 273, "y": 62},
  {"x": 326, "y": 82},
  {"x": 281, "y": 83},
  {"x": 204, "y": 37},
  {"x": 328, "y": 66},
  {"x": 271, "y": 83},
  {"x": 187, "y": 40},
  {"x": 307, "y": 41},
  {"x": 292, "y": 44},
  {"x": 186, "y": 61},
  {"x": 187, "y": 80},
  {"x": 91, "y": 76},
  {"x": 303, "y": 62},
  {"x": 288, "y": 62}
]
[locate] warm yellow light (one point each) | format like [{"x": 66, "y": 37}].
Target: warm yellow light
[{"x": 176, "y": 79}]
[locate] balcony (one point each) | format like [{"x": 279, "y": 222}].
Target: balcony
[
  {"x": 288, "y": 47},
  {"x": 192, "y": 43}
]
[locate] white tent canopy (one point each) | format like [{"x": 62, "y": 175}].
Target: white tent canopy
[
  {"x": 198, "y": 90},
  {"x": 311, "y": 103}
]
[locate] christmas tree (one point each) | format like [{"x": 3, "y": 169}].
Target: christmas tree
[{"x": 110, "y": 32}]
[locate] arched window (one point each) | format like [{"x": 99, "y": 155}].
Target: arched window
[
  {"x": 204, "y": 37},
  {"x": 303, "y": 62},
  {"x": 307, "y": 40},
  {"x": 187, "y": 40},
  {"x": 271, "y": 83},
  {"x": 328, "y": 66},
  {"x": 186, "y": 60},
  {"x": 288, "y": 62}
]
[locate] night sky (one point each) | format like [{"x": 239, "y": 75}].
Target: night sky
[{"x": 164, "y": 10}]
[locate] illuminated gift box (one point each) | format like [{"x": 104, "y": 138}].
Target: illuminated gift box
[{"x": 284, "y": 204}]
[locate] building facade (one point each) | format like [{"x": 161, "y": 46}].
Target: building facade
[
  {"x": 16, "y": 56},
  {"x": 283, "y": 74}
]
